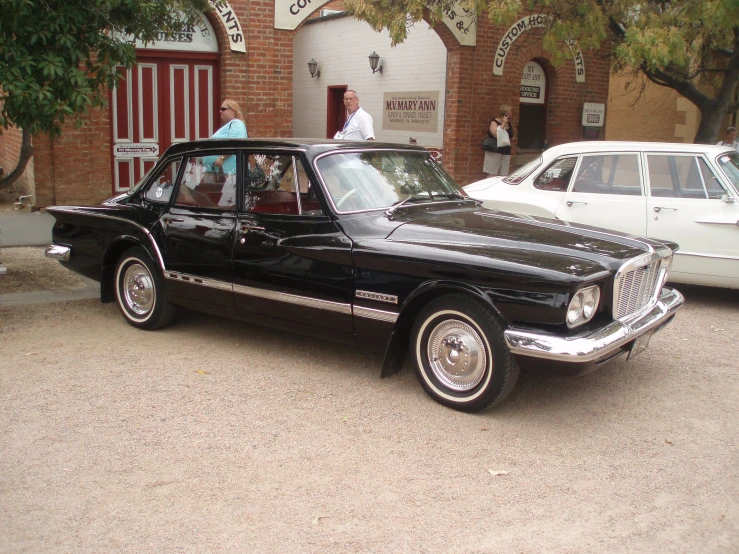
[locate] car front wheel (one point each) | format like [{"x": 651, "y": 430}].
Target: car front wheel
[
  {"x": 139, "y": 291},
  {"x": 461, "y": 357}
]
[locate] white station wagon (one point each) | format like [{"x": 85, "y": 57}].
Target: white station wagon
[{"x": 686, "y": 193}]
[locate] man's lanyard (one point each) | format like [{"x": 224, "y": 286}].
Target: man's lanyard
[{"x": 348, "y": 120}]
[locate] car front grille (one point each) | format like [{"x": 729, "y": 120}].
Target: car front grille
[{"x": 637, "y": 285}]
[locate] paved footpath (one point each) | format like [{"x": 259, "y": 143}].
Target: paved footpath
[{"x": 25, "y": 229}]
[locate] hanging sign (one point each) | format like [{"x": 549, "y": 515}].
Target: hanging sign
[
  {"x": 237, "y": 41},
  {"x": 593, "y": 115},
  {"x": 533, "y": 84},
  {"x": 525, "y": 24}
]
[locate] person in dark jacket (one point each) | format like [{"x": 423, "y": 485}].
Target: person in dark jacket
[{"x": 501, "y": 128}]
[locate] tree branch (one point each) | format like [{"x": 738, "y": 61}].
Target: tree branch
[{"x": 26, "y": 153}]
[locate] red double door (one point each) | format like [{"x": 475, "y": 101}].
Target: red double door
[{"x": 160, "y": 101}]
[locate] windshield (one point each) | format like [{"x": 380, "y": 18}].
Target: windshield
[
  {"x": 729, "y": 164},
  {"x": 522, "y": 172},
  {"x": 376, "y": 180}
]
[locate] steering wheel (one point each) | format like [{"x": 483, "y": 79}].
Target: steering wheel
[{"x": 344, "y": 198}]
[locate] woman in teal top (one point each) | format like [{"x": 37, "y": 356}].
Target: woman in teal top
[{"x": 233, "y": 127}]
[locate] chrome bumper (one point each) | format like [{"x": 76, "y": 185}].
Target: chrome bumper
[
  {"x": 598, "y": 344},
  {"x": 57, "y": 252}
]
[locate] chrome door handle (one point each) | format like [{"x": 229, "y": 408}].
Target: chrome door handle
[
  {"x": 571, "y": 202},
  {"x": 660, "y": 208},
  {"x": 246, "y": 228}
]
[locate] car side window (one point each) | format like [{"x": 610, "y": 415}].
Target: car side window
[
  {"x": 309, "y": 203},
  {"x": 271, "y": 186},
  {"x": 673, "y": 176},
  {"x": 609, "y": 174},
  {"x": 161, "y": 187},
  {"x": 209, "y": 182},
  {"x": 557, "y": 176}
]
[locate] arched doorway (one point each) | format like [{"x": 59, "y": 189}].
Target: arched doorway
[
  {"x": 171, "y": 95},
  {"x": 532, "y": 124}
]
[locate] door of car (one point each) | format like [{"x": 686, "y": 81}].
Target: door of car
[
  {"x": 607, "y": 192},
  {"x": 686, "y": 204},
  {"x": 198, "y": 229},
  {"x": 291, "y": 261}
]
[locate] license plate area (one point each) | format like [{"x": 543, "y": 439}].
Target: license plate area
[{"x": 639, "y": 345}]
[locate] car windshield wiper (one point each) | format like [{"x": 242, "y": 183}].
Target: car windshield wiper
[
  {"x": 391, "y": 210},
  {"x": 459, "y": 196}
]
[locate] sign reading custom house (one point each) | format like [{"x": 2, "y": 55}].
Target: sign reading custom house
[
  {"x": 410, "y": 111},
  {"x": 525, "y": 24}
]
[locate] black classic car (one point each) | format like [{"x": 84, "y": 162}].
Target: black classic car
[{"x": 371, "y": 245}]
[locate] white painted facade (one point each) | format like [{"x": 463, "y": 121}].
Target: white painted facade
[{"x": 341, "y": 46}]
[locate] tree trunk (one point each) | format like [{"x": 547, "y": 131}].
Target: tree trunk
[
  {"x": 712, "y": 116},
  {"x": 26, "y": 154}
]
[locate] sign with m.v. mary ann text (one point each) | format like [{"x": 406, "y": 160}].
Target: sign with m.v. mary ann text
[{"x": 411, "y": 111}]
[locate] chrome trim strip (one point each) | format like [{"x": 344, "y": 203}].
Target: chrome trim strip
[
  {"x": 718, "y": 222},
  {"x": 58, "y": 252},
  {"x": 591, "y": 345},
  {"x": 195, "y": 280},
  {"x": 379, "y": 297},
  {"x": 379, "y": 315},
  {"x": 294, "y": 299},
  {"x": 160, "y": 259},
  {"x": 713, "y": 256}
]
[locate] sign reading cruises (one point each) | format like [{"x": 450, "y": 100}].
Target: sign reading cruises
[
  {"x": 525, "y": 24},
  {"x": 411, "y": 111}
]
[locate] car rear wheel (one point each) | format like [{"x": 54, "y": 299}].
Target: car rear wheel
[
  {"x": 461, "y": 357},
  {"x": 140, "y": 292}
]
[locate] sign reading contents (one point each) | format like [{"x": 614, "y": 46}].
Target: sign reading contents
[
  {"x": 593, "y": 115},
  {"x": 236, "y": 39},
  {"x": 411, "y": 111},
  {"x": 533, "y": 84}
]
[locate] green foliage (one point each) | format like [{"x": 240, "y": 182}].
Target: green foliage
[
  {"x": 57, "y": 56},
  {"x": 681, "y": 44}
]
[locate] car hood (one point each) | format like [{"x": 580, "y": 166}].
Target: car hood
[{"x": 508, "y": 242}]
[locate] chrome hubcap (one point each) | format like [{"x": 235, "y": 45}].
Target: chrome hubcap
[
  {"x": 138, "y": 289},
  {"x": 457, "y": 355}
]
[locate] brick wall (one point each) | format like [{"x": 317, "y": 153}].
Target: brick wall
[
  {"x": 474, "y": 94},
  {"x": 77, "y": 167}
]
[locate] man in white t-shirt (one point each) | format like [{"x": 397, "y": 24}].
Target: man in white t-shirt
[
  {"x": 358, "y": 124},
  {"x": 730, "y": 139}
]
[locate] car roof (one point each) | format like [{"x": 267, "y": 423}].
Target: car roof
[
  {"x": 314, "y": 145},
  {"x": 585, "y": 147}
]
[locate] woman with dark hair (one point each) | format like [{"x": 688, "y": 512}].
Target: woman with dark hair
[{"x": 501, "y": 129}]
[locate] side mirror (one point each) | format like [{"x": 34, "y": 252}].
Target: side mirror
[{"x": 725, "y": 198}]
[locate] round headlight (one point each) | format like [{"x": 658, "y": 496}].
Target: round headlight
[
  {"x": 574, "y": 311},
  {"x": 583, "y": 306}
]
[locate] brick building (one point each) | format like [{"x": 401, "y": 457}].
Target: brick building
[{"x": 174, "y": 93}]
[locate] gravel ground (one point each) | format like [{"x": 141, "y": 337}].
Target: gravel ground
[
  {"x": 29, "y": 270},
  {"x": 215, "y": 436}
]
